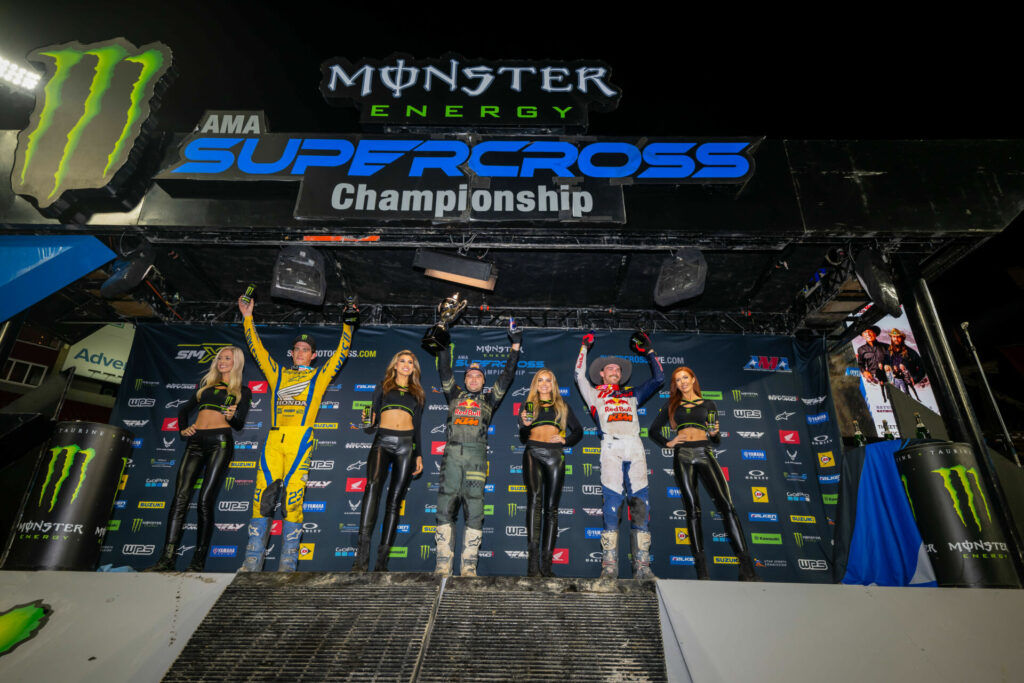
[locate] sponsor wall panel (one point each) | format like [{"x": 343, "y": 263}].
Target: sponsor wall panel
[{"x": 764, "y": 387}]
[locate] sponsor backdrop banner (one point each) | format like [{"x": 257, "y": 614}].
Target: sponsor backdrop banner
[{"x": 778, "y": 448}]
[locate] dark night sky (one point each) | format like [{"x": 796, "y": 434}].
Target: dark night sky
[{"x": 775, "y": 72}]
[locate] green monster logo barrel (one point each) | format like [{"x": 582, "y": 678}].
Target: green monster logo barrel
[
  {"x": 66, "y": 515},
  {"x": 954, "y": 514}
]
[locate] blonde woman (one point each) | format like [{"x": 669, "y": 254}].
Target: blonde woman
[
  {"x": 546, "y": 425},
  {"x": 223, "y": 404},
  {"x": 395, "y": 416}
]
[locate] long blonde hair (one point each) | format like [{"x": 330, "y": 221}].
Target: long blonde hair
[
  {"x": 561, "y": 410},
  {"x": 391, "y": 376},
  {"x": 212, "y": 376}
]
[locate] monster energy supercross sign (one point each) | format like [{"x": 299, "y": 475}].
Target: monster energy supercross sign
[
  {"x": 65, "y": 517},
  {"x": 955, "y": 516},
  {"x": 89, "y": 126}
]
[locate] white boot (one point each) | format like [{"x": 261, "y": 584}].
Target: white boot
[
  {"x": 443, "y": 540},
  {"x": 609, "y": 554},
  {"x": 470, "y": 551}
]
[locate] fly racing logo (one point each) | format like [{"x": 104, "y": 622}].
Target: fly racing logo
[
  {"x": 517, "y": 554},
  {"x": 964, "y": 477},
  {"x": 73, "y": 455},
  {"x": 223, "y": 526},
  {"x": 814, "y": 401},
  {"x": 750, "y": 435},
  {"x": 101, "y": 94},
  {"x": 594, "y": 512},
  {"x": 784, "y": 416},
  {"x": 135, "y": 423}
]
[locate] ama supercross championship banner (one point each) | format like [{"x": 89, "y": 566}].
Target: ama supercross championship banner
[{"x": 778, "y": 450}]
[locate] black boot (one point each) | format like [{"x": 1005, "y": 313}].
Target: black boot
[
  {"x": 533, "y": 560},
  {"x": 701, "y": 565},
  {"x": 747, "y": 572},
  {"x": 547, "y": 546},
  {"x": 166, "y": 561},
  {"x": 362, "y": 561},
  {"x": 739, "y": 546},
  {"x": 198, "y": 558},
  {"x": 383, "y": 554}
]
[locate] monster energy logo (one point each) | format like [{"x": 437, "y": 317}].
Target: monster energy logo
[
  {"x": 138, "y": 384},
  {"x": 736, "y": 395},
  {"x": 947, "y": 480},
  {"x": 136, "y": 524},
  {"x": 588, "y": 468},
  {"x": 71, "y": 454},
  {"x": 513, "y": 508},
  {"x": 424, "y": 552},
  {"x": 799, "y": 537},
  {"x": 229, "y": 483},
  {"x": 95, "y": 102}
]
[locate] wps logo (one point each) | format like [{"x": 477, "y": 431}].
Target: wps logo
[
  {"x": 233, "y": 506},
  {"x": 73, "y": 455},
  {"x": 100, "y": 94},
  {"x": 137, "y": 549},
  {"x": 515, "y": 531},
  {"x": 746, "y": 414},
  {"x": 143, "y": 402},
  {"x": 356, "y": 484},
  {"x": 962, "y": 473},
  {"x": 591, "y": 490}
]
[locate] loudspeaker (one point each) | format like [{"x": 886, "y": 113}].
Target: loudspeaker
[
  {"x": 876, "y": 279},
  {"x": 299, "y": 276},
  {"x": 681, "y": 277},
  {"x": 129, "y": 272}
]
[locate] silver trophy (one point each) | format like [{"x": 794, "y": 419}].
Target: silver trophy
[{"x": 437, "y": 337}]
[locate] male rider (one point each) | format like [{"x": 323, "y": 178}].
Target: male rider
[
  {"x": 464, "y": 463},
  {"x": 623, "y": 459},
  {"x": 296, "y": 393}
]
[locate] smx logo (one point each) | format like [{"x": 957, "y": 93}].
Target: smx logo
[
  {"x": 202, "y": 353},
  {"x": 96, "y": 102}
]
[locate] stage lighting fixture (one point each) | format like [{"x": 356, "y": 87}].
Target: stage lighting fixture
[
  {"x": 17, "y": 77},
  {"x": 129, "y": 272},
  {"x": 681, "y": 277},
  {"x": 455, "y": 268},
  {"x": 876, "y": 279},
  {"x": 299, "y": 276}
]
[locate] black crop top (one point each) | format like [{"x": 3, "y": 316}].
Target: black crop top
[
  {"x": 687, "y": 415},
  {"x": 216, "y": 397},
  {"x": 546, "y": 415},
  {"x": 397, "y": 400}
]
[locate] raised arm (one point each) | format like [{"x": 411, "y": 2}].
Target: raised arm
[
  {"x": 587, "y": 391},
  {"x": 444, "y": 370},
  {"x": 504, "y": 381},
  {"x": 252, "y": 340},
  {"x": 651, "y": 386}
]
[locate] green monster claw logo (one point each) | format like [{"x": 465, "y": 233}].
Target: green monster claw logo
[
  {"x": 71, "y": 454},
  {"x": 947, "y": 479},
  {"x": 20, "y": 624},
  {"x": 906, "y": 489},
  {"x": 424, "y": 552},
  {"x": 91, "y": 114}
]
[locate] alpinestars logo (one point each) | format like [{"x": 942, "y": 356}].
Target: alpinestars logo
[
  {"x": 95, "y": 105},
  {"x": 71, "y": 456}
]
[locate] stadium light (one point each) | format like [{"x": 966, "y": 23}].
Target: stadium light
[{"x": 17, "y": 77}]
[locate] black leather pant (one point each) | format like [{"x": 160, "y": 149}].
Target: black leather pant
[
  {"x": 390, "y": 448},
  {"x": 211, "y": 449},
  {"x": 698, "y": 462},
  {"x": 543, "y": 474}
]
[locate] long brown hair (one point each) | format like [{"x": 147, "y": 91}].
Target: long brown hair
[
  {"x": 212, "y": 376},
  {"x": 391, "y": 376},
  {"x": 676, "y": 396},
  {"x": 561, "y": 410}
]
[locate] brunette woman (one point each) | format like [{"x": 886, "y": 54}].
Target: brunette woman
[
  {"x": 223, "y": 404},
  {"x": 546, "y": 425},
  {"x": 689, "y": 424},
  {"x": 395, "y": 416}
]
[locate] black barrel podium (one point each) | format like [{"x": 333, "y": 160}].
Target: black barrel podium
[{"x": 65, "y": 518}]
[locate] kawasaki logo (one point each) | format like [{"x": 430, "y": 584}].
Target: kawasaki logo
[
  {"x": 961, "y": 472},
  {"x": 71, "y": 454},
  {"x": 95, "y": 104}
]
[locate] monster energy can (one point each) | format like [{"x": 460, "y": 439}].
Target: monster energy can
[
  {"x": 955, "y": 515},
  {"x": 65, "y": 517}
]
